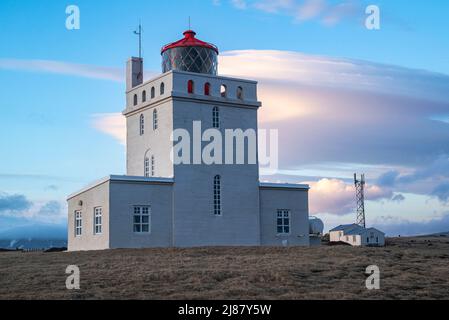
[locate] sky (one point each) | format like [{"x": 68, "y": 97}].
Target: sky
[{"x": 344, "y": 98}]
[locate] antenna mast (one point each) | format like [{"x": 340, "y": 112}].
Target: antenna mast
[
  {"x": 360, "y": 196},
  {"x": 139, "y": 33}
]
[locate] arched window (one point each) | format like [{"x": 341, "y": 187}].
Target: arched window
[
  {"x": 153, "y": 93},
  {"x": 217, "y": 195},
  {"x": 155, "y": 120},
  {"x": 190, "y": 87},
  {"x": 153, "y": 166},
  {"x": 162, "y": 89},
  {"x": 240, "y": 93},
  {"x": 135, "y": 99},
  {"x": 142, "y": 125},
  {"x": 223, "y": 91},
  {"x": 147, "y": 167},
  {"x": 144, "y": 96},
  {"x": 216, "y": 118},
  {"x": 207, "y": 89}
]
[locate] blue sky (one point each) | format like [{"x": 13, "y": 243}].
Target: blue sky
[{"x": 50, "y": 115}]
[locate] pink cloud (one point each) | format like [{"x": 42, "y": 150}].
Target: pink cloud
[{"x": 333, "y": 196}]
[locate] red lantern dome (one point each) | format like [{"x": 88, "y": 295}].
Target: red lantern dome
[{"x": 190, "y": 54}]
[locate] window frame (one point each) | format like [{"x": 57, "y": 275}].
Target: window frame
[
  {"x": 281, "y": 214},
  {"x": 98, "y": 224},
  {"x": 155, "y": 120},
  {"x": 142, "y": 125},
  {"x": 153, "y": 166},
  {"x": 139, "y": 211},
  {"x": 191, "y": 87},
  {"x": 218, "y": 209},
  {"x": 78, "y": 226},
  {"x": 239, "y": 93},
  {"x": 216, "y": 118},
  {"x": 162, "y": 89},
  {"x": 207, "y": 89},
  {"x": 146, "y": 167},
  {"x": 153, "y": 92},
  {"x": 144, "y": 96},
  {"x": 136, "y": 100}
]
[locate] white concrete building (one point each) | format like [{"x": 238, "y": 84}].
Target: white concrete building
[
  {"x": 163, "y": 204},
  {"x": 357, "y": 236}
]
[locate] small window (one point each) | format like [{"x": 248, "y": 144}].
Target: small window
[
  {"x": 367, "y": 240},
  {"x": 207, "y": 89},
  {"x": 135, "y": 100},
  {"x": 98, "y": 220},
  {"x": 283, "y": 222},
  {"x": 78, "y": 223},
  {"x": 153, "y": 93},
  {"x": 162, "y": 89},
  {"x": 141, "y": 219},
  {"x": 155, "y": 120},
  {"x": 142, "y": 124},
  {"x": 377, "y": 239},
  {"x": 354, "y": 238},
  {"x": 146, "y": 167},
  {"x": 240, "y": 93},
  {"x": 216, "y": 118},
  {"x": 347, "y": 238},
  {"x": 190, "y": 87},
  {"x": 153, "y": 166},
  {"x": 144, "y": 96},
  {"x": 223, "y": 91},
  {"x": 217, "y": 195}
]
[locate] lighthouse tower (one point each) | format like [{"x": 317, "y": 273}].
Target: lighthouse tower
[{"x": 215, "y": 199}]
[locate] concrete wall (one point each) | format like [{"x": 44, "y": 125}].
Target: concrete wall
[
  {"x": 195, "y": 222},
  {"x": 274, "y": 199},
  {"x": 97, "y": 196},
  {"x": 124, "y": 196}
]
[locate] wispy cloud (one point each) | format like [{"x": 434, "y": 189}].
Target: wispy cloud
[
  {"x": 113, "y": 124},
  {"x": 325, "y": 11},
  {"x": 65, "y": 68}
]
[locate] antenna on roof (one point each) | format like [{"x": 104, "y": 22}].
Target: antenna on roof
[
  {"x": 360, "y": 197},
  {"x": 139, "y": 33},
  {"x": 190, "y": 27}
]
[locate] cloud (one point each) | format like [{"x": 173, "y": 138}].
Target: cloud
[
  {"x": 65, "y": 68},
  {"x": 51, "y": 211},
  {"x": 334, "y": 196},
  {"x": 13, "y": 203},
  {"x": 393, "y": 226},
  {"x": 113, "y": 124},
  {"x": 239, "y": 4},
  {"x": 326, "y": 12}
]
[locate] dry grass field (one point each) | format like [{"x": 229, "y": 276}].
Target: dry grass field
[{"x": 411, "y": 268}]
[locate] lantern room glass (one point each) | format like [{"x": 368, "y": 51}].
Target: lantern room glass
[{"x": 190, "y": 59}]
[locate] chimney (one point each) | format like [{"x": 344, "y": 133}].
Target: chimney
[{"x": 134, "y": 73}]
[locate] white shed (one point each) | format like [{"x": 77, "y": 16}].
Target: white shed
[{"x": 357, "y": 236}]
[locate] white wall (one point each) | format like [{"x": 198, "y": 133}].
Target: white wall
[
  {"x": 98, "y": 196},
  {"x": 126, "y": 195},
  {"x": 272, "y": 199}
]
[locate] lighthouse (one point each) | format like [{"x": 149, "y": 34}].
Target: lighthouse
[{"x": 190, "y": 203}]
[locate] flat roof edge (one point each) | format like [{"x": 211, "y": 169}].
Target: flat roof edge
[
  {"x": 118, "y": 178},
  {"x": 284, "y": 186}
]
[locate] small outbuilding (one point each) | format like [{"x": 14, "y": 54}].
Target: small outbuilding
[{"x": 357, "y": 236}]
